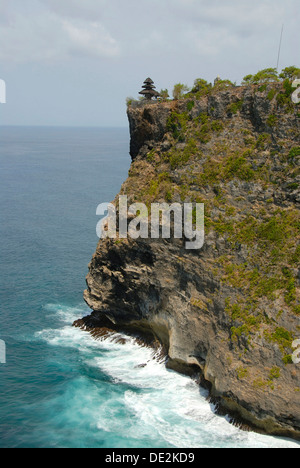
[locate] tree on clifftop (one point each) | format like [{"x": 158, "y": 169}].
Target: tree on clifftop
[
  {"x": 290, "y": 73},
  {"x": 263, "y": 76},
  {"x": 179, "y": 90}
]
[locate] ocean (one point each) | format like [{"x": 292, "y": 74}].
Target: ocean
[{"x": 59, "y": 387}]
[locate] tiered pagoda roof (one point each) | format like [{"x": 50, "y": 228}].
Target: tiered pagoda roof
[{"x": 149, "y": 90}]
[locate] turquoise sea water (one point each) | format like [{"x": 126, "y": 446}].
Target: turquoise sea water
[{"x": 60, "y": 387}]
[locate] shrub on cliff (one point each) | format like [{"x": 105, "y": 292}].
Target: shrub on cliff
[
  {"x": 164, "y": 94},
  {"x": 223, "y": 84},
  {"x": 284, "y": 96},
  {"x": 263, "y": 76},
  {"x": 290, "y": 73},
  {"x": 129, "y": 101},
  {"x": 179, "y": 90},
  {"x": 201, "y": 86},
  {"x": 271, "y": 75}
]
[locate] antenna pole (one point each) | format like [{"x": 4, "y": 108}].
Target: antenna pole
[{"x": 279, "y": 47}]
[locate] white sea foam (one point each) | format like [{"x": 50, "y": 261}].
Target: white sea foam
[
  {"x": 66, "y": 314},
  {"x": 151, "y": 402}
]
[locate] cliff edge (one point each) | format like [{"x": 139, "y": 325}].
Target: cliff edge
[{"x": 229, "y": 310}]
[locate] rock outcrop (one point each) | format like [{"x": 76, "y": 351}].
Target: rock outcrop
[{"x": 230, "y": 310}]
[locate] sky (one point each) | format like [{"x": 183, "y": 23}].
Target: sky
[{"x": 74, "y": 62}]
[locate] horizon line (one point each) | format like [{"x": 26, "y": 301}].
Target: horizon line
[{"x": 64, "y": 126}]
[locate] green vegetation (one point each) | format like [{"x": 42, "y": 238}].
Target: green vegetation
[
  {"x": 293, "y": 154},
  {"x": 223, "y": 84},
  {"x": 192, "y": 132},
  {"x": 179, "y": 90},
  {"x": 164, "y": 94},
  {"x": 282, "y": 337},
  {"x": 284, "y": 96},
  {"x": 245, "y": 318},
  {"x": 263, "y": 76},
  {"x": 264, "y": 276},
  {"x": 190, "y": 105},
  {"x": 202, "y": 87},
  {"x": 232, "y": 171},
  {"x": 242, "y": 373},
  {"x": 263, "y": 141},
  {"x": 156, "y": 183},
  {"x": 290, "y": 73},
  {"x": 180, "y": 157},
  {"x": 271, "y": 94},
  {"x": 129, "y": 101},
  {"x": 238, "y": 166},
  {"x": 272, "y": 120},
  {"x": 274, "y": 374},
  {"x": 235, "y": 107},
  {"x": 177, "y": 125},
  {"x": 183, "y": 126},
  {"x": 233, "y": 165}
]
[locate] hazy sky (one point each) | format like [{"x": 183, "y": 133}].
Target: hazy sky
[{"x": 74, "y": 62}]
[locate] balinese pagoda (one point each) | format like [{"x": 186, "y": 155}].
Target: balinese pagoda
[{"x": 149, "y": 90}]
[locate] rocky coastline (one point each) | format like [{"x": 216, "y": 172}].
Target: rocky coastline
[{"x": 228, "y": 312}]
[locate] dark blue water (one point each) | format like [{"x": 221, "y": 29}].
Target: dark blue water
[{"x": 59, "y": 387}]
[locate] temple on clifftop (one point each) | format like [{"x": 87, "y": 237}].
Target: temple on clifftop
[{"x": 149, "y": 90}]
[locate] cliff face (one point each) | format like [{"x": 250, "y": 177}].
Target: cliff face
[{"x": 231, "y": 309}]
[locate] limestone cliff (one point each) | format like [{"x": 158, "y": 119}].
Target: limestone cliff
[{"x": 231, "y": 309}]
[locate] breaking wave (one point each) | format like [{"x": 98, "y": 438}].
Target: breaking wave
[{"x": 122, "y": 395}]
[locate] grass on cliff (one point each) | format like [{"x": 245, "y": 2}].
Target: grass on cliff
[
  {"x": 184, "y": 128},
  {"x": 260, "y": 79},
  {"x": 206, "y": 156}
]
